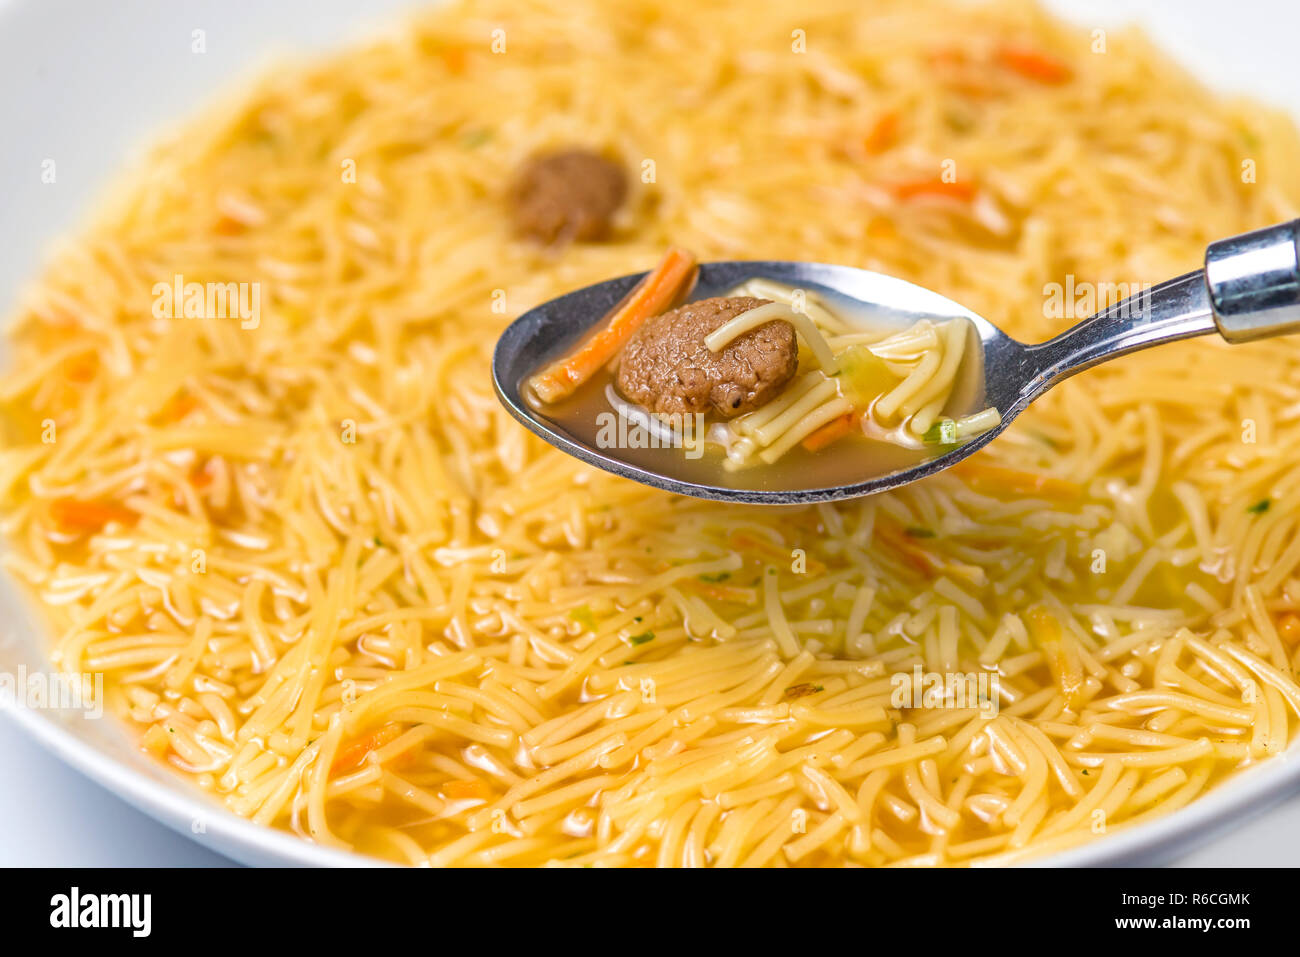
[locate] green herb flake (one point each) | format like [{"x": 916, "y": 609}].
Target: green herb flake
[
  {"x": 583, "y": 616},
  {"x": 916, "y": 531},
  {"x": 719, "y": 577},
  {"x": 943, "y": 432},
  {"x": 642, "y": 638},
  {"x": 1260, "y": 507}
]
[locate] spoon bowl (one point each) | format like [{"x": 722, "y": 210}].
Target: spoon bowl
[{"x": 1249, "y": 289}]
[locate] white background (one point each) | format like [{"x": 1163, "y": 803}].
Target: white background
[{"x": 49, "y": 814}]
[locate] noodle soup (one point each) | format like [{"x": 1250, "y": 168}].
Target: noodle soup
[{"x": 330, "y": 580}]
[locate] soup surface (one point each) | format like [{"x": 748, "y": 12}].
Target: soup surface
[{"x": 255, "y": 475}]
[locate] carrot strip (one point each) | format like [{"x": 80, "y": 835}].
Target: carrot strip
[
  {"x": 228, "y": 226},
  {"x": 472, "y": 789},
  {"x": 74, "y": 515},
  {"x": 832, "y": 431},
  {"x": 658, "y": 292},
  {"x": 351, "y": 756},
  {"x": 884, "y": 134},
  {"x": 912, "y": 554},
  {"x": 1000, "y": 478},
  {"x": 777, "y": 554},
  {"x": 1034, "y": 65},
  {"x": 912, "y": 189}
]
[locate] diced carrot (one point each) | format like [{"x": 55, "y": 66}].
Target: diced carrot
[
  {"x": 181, "y": 405},
  {"x": 832, "y": 431},
  {"x": 353, "y": 754},
  {"x": 472, "y": 789},
  {"x": 884, "y": 133},
  {"x": 1288, "y": 628},
  {"x": 1034, "y": 65},
  {"x": 455, "y": 59},
  {"x": 1001, "y": 478},
  {"x": 661, "y": 290},
  {"x": 74, "y": 515},
  {"x": 81, "y": 368},
  {"x": 228, "y": 226},
  {"x": 937, "y": 188}
]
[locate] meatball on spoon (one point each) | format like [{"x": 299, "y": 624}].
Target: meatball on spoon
[{"x": 679, "y": 342}]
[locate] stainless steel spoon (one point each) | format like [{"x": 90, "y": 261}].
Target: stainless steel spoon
[{"x": 1249, "y": 289}]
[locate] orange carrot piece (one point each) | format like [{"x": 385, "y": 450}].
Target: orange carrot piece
[
  {"x": 658, "y": 292},
  {"x": 181, "y": 405},
  {"x": 776, "y": 554},
  {"x": 351, "y": 756},
  {"x": 884, "y": 134},
  {"x": 200, "y": 477},
  {"x": 1288, "y": 628},
  {"x": 912, "y": 554},
  {"x": 471, "y": 789},
  {"x": 938, "y": 188},
  {"x": 81, "y": 369},
  {"x": 74, "y": 515},
  {"x": 1034, "y": 65},
  {"x": 228, "y": 226},
  {"x": 454, "y": 59},
  {"x": 1001, "y": 478},
  {"x": 832, "y": 431}
]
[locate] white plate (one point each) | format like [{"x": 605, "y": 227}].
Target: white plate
[{"x": 86, "y": 83}]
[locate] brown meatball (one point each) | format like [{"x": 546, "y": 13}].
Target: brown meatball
[
  {"x": 667, "y": 367},
  {"x": 569, "y": 195}
]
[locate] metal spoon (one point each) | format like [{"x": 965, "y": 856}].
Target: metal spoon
[{"x": 1249, "y": 289}]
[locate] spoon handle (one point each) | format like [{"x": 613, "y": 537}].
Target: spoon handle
[
  {"x": 1254, "y": 282},
  {"x": 1249, "y": 289}
]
